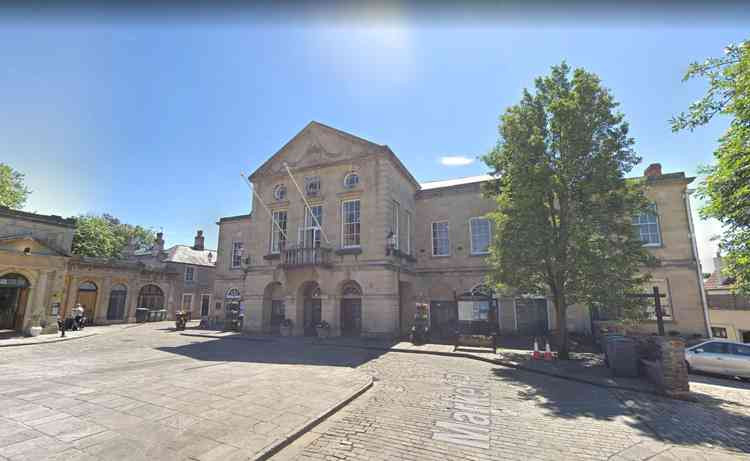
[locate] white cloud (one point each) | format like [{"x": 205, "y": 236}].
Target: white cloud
[
  {"x": 456, "y": 160},
  {"x": 705, "y": 231}
]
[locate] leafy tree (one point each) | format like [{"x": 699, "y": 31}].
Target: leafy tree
[
  {"x": 562, "y": 224},
  {"x": 727, "y": 184},
  {"x": 13, "y": 192},
  {"x": 106, "y": 237}
]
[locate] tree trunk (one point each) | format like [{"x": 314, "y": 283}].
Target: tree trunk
[{"x": 562, "y": 328}]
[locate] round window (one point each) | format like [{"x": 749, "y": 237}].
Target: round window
[
  {"x": 279, "y": 192},
  {"x": 351, "y": 180}
]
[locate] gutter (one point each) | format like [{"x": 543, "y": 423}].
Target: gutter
[{"x": 704, "y": 300}]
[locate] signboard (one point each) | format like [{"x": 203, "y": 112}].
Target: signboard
[
  {"x": 55, "y": 308},
  {"x": 473, "y": 311}
]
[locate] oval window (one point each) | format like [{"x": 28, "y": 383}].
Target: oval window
[
  {"x": 279, "y": 192},
  {"x": 351, "y": 180}
]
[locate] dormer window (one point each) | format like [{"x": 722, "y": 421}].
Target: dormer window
[
  {"x": 279, "y": 192},
  {"x": 351, "y": 180},
  {"x": 312, "y": 186}
]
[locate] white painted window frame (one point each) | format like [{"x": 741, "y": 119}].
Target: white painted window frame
[
  {"x": 343, "y": 223},
  {"x": 658, "y": 230},
  {"x": 190, "y": 270},
  {"x": 234, "y": 247},
  {"x": 275, "y": 230},
  {"x": 471, "y": 236},
  {"x": 408, "y": 232},
  {"x": 190, "y": 305},
  {"x": 432, "y": 238},
  {"x": 395, "y": 212}
]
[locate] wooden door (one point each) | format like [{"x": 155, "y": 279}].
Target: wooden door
[
  {"x": 87, "y": 299},
  {"x": 351, "y": 317}
]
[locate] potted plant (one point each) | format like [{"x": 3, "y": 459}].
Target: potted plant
[
  {"x": 286, "y": 327},
  {"x": 323, "y": 329}
]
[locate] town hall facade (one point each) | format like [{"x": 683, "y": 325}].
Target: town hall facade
[{"x": 342, "y": 233}]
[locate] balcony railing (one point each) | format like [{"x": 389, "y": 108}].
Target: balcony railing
[{"x": 306, "y": 256}]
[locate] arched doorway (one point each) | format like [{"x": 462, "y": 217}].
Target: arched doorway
[
  {"x": 87, "y": 293},
  {"x": 14, "y": 292},
  {"x": 274, "y": 308},
  {"x": 351, "y": 309},
  {"x": 312, "y": 313},
  {"x": 151, "y": 297},
  {"x": 117, "y": 298}
]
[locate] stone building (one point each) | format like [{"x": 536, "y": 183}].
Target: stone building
[
  {"x": 196, "y": 266},
  {"x": 40, "y": 278},
  {"x": 352, "y": 239},
  {"x": 729, "y": 312}
]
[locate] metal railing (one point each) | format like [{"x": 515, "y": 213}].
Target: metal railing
[{"x": 306, "y": 256}]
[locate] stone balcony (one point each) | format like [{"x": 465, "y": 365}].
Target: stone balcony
[{"x": 296, "y": 256}]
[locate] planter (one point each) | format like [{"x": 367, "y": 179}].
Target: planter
[
  {"x": 35, "y": 331},
  {"x": 285, "y": 331},
  {"x": 323, "y": 332}
]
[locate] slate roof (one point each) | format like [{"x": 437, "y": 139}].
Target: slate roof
[
  {"x": 185, "y": 254},
  {"x": 455, "y": 182}
]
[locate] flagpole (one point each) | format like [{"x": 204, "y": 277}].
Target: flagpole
[
  {"x": 252, "y": 189},
  {"x": 317, "y": 223}
]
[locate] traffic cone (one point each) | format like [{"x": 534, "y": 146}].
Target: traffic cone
[
  {"x": 535, "y": 354},
  {"x": 547, "y": 352}
]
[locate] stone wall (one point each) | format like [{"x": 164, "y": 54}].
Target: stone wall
[{"x": 663, "y": 361}]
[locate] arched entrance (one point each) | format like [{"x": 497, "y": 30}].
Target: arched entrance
[
  {"x": 87, "y": 293},
  {"x": 351, "y": 309},
  {"x": 117, "y": 298},
  {"x": 14, "y": 292},
  {"x": 274, "y": 308},
  {"x": 312, "y": 312},
  {"x": 151, "y": 297}
]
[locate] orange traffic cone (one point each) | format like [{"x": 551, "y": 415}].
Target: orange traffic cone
[
  {"x": 547, "y": 352},
  {"x": 535, "y": 355}
]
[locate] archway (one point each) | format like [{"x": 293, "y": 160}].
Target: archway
[
  {"x": 311, "y": 304},
  {"x": 351, "y": 309},
  {"x": 117, "y": 298},
  {"x": 274, "y": 308},
  {"x": 14, "y": 292},
  {"x": 86, "y": 297},
  {"x": 151, "y": 297}
]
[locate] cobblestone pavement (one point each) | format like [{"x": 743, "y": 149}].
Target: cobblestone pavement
[
  {"x": 435, "y": 408},
  {"x": 149, "y": 393}
]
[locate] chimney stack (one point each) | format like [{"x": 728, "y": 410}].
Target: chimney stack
[
  {"x": 653, "y": 170},
  {"x": 158, "y": 243},
  {"x": 198, "y": 241}
]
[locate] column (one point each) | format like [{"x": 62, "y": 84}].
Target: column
[
  {"x": 102, "y": 301},
  {"x": 330, "y": 306},
  {"x": 253, "y": 313},
  {"x": 295, "y": 313}
]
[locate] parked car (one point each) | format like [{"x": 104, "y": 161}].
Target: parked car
[{"x": 721, "y": 357}]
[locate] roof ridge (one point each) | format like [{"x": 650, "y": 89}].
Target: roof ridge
[
  {"x": 459, "y": 178},
  {"x": 345, "y": 133}
]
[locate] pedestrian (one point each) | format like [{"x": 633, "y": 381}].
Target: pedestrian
[{"x": 78, "y": 315}]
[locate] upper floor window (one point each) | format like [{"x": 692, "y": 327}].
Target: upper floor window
[
  {"x": 396, "y": 209},
  {"x": 351, "y": 180},
  {"x": 309, "y": 234},
  {"x": 189, "y": 273},
  {"x": 237, "y": 249},
  {"x": 441, "y": 243},
  {"x": 407, "y": 243},
  {"x": 480, "y": 235},
  {"x": 350, "y": 223},
  {"x": 312, "y": 186},
  {"x": 646, "y": 226},
  {"x": 278, "y": 231},
  {"x": 279, "y": 192}
]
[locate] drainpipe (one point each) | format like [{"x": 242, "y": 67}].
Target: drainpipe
[{"x": 704, "y": 300}]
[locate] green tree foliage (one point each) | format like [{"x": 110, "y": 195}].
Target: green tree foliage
[
  {"x": 105, "y": 236},
  {"x": 13, "y": 192},
  {"x": 727, "y": 184},
  {"x": 562, "y": 224}
]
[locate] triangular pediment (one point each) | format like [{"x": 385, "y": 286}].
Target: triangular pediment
[{"x": 318, "y": 145}]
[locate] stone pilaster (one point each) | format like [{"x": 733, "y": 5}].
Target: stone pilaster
[
  {"x": 329, "y": 311},
  {"x": 253, "y": 313}
]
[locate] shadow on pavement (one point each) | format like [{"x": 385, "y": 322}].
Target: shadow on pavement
[
  {"x": 286, "y": 351},
  {"x": 711, "y": 421}
]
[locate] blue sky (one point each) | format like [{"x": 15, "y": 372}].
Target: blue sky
[{"x": 153, "y": 121}]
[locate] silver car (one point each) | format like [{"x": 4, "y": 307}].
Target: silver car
[{"x": 721, "y": 357}]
